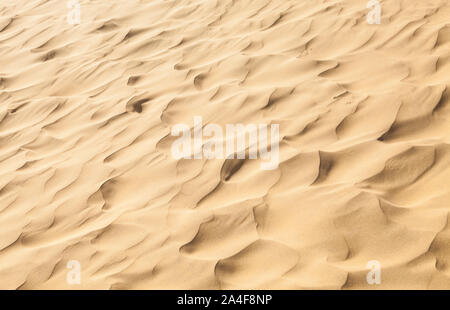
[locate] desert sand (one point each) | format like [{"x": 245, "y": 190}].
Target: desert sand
[{"x": 86, "y": 172}]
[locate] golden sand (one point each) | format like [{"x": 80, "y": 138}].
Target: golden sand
[{"x": 87, "y": 175}]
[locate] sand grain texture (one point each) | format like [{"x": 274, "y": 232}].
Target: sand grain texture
[{"x": 86, "y": 171}]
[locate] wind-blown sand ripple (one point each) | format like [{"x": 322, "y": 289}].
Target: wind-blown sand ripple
[{"x": 86, "y": 171}]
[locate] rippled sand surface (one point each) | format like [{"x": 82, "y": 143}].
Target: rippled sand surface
[{"x": 86, "y": 171}]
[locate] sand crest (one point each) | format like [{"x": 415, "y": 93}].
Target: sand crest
[{"x": 92, "y": 198}]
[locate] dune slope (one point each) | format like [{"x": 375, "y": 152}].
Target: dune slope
[{"x": 87, "y": 174}]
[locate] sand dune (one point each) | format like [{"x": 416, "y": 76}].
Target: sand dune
[{"x": 87, "y": 173}]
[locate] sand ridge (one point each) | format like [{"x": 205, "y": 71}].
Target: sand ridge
[{"x": 86, "y": 171}]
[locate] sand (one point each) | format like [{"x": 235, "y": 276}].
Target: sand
[{"x": 87, "y": 175}]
